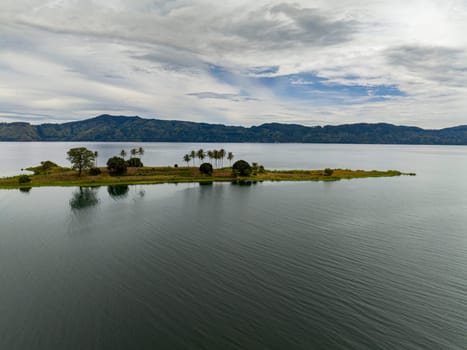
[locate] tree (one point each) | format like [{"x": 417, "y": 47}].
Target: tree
[
  {"x": 210, "y": 155},
  {"x": 81, "y": 158},
  {"x": 215, "y": 154},
  {"x": 96, "y": 154},
  {"x": 116, "y": 165},
  {"x": 200, "y": 154},
  {"x": 133, "y": 152},
  {"x": 141, "y": 151},
  {"x": 123, "y": 153},
  {"x": 222, "y": 156},
  {"x": 134, "y": 162},
  {"x": 241, "y": 168},
  {"x": 230, "y": 156},
  {"x": 187, "y": 159},
  {"x": 193, "y": 156},
  {"x": 206, "y": 169}
]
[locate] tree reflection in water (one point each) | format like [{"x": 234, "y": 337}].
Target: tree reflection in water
[
  {"x": 84, "y": 197},
  {"x": 118, "y": 191}
]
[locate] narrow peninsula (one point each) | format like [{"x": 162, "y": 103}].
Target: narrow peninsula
[{"x": 61, "y": 176}]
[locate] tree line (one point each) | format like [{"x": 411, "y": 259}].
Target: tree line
[{"x": 216, "y": 155}]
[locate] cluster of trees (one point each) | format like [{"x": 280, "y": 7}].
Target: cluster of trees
[
  {"x": 82, "y": 158},
  {"x": 239, "y": 168},
  {"x": 133, "y": 161},
  {"x": 118, "y": 165},
  {"x": 216, "y": 155},
  {"x": 243, "y": 168}
]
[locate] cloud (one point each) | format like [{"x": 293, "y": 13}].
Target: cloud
[
  {"x": 440, "y": 64},
  {"x": 286, "y": 26},
  {"x": 230, "y": 97},
  {"x": 239, "y": 63}
]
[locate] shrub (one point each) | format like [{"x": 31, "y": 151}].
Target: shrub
[
  {"x": 241, "y": 168},
  {"x": 175, "y": 165},
  {"x": 328, "y": 171},
  {"x": 116, "y": 165},
  {"x": 24, "y": 179},
  {"x": 94, "y": 171},
  {"x": 257, "y": 168},
  {"x": 134, "y": 163},
  {"x": 44, "y": 168},
  {"x": 206, "y": 169}
]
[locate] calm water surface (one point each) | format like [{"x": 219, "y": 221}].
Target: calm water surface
[{"x": 360, "y": 264}]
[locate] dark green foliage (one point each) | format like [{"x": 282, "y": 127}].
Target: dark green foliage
[
  {"x": 118, "y": 191},
  {"x": 43, "y": 169},
  {"x": 84, "y": 197},
  {"x": 175, "y": 165},
  {"x": 206, "y": 169},
  {"x": 119, "y": 128},
  {"x": 134, "y": 163},
  {"x": 81, "y": 158},
  {"x": 47, "y": 164},
  {"x": 94, "y": 171},
  {"x": 241, "y": 168},
  {"x": 328, "y": 172},
  {"x": 257, "y": 169},
  {"x": 24, "y": 179},
  {"x": 116, "y": 166}
]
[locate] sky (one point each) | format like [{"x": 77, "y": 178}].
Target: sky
[{"x": 235, "y": 62}]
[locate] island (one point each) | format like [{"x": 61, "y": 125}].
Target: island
[
  {"x": 62, "y": 176},
  {"x": 121, "y": 171}
]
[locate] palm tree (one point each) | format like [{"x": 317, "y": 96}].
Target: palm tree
[
  {"x": 95, "y": 158},
  {"x": 193, "y": 156},
  {"x": 216, "y": 156},
  {"x": 210, "y": 156},
  {"x": 123, "y": 153},
  {"x": 222, "y": 156},
  {"x": 141, "y": 151},
  {"x": 133, "y": 152},
  {"x": 200, "y": 154},
  {"x": 230, "y": 156},
  {"x": 187, "y": 159}
]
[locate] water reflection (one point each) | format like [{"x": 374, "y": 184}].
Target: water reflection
[
  {"x": 244, "y": 182},
  {"x": 118, "y": 191},
  {"x": 84, "y": 197},
  {"x": 25, "y": 189}
]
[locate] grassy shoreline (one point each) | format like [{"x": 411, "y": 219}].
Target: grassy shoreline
[{"x": 64, "y": 177}]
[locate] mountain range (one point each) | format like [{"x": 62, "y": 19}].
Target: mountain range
[{"x": 127, "y": 129}]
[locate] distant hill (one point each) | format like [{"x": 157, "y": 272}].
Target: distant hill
[{"x": 121, "y": 128}]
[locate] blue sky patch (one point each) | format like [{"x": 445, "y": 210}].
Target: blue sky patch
[{"x": 306, "y": 86}]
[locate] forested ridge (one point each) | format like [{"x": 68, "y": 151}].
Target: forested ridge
[{"x": 122, "y": 128}]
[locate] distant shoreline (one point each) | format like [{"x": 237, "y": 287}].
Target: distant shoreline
[{"x": 108, "y": 128}]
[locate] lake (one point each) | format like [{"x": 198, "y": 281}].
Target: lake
[{"x": 375, "y": 263}]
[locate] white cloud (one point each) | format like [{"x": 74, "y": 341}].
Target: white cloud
[{"x": 72, "y": 59}]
